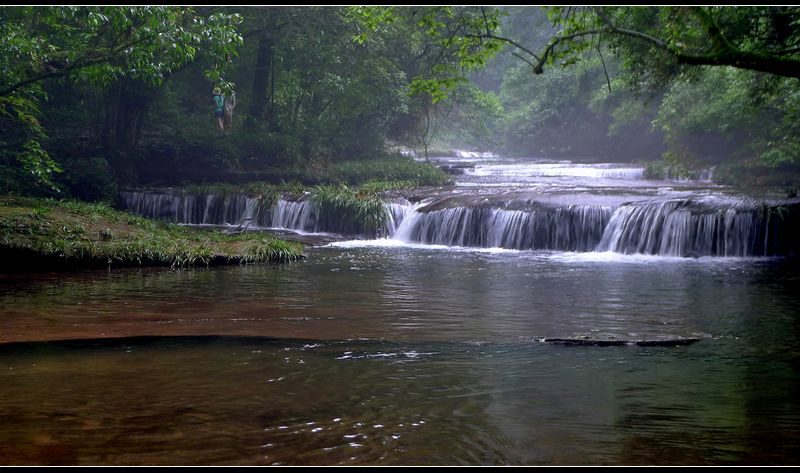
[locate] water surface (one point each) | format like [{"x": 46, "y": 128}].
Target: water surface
[
  {"x": 404, "y": 356},
  {"x": 395, "y": 352}
]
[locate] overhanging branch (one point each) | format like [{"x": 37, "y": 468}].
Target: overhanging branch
[{"x": 727, "y": 56}]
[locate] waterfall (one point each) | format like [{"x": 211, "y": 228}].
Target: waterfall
[
  {"x": 676, "y": 227},
  {"x": 685, "y": 228},
  {"x": 691, "y": 228},
  {"x": 301, "y": 215},
  {"x": 569, "y": 228},
  {"x": 397, "y": 214},
  {"x": 192, "y": 209}
]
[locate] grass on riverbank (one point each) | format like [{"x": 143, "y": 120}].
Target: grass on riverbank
[
  {"x": 405, "y": 170},
  {"x": 48, "y": 233},
  {"x": 371, "y": 176},
  {"x": 350, "y": 210}
]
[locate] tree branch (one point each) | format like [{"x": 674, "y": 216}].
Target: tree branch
[
  {"x": 90, "y": 58},
  {"x": 603, "y": 62},
  {"x": 523, "y": 58},
  {"x": 57, "y": 73},
  {"x": 485, "y": 21},
  {"x": 727, "y": 55},
  {"x": 539, "y": 67},
  {"x": 505, "y": 40}
]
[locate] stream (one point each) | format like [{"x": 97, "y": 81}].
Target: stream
[{"x": 423, "y": 344}]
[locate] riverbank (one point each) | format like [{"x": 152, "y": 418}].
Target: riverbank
[{"x": 43, "y": 234}]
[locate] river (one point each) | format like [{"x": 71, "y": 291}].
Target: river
[{"x": 413, "y": 350}]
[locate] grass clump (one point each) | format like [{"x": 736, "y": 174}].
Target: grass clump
[
  {"x": 349, "y": 210},
  {"x": 389, "y": 170},
  {"x": 78, "y": 234},
  {"x": 274, "y": 250},
  {"x": 661, "y": 170}
]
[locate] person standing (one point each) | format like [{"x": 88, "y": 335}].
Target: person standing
[{"x": 219, "y": 111}]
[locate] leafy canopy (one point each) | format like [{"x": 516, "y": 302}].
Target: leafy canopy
[
  {"x": 458, "y": 33},
  {"x": 94, "y": 45}
]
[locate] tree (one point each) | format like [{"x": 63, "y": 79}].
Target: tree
[
  {"x": 95, "y": 46},
  {"x": 764, "y": 39},
  {"x": 743, "y": 61},
  {"x": 460, "y": 41},
  {"x": 101, "y": 44}
]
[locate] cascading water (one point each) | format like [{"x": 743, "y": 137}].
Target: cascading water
[
  {"x": 298, "y": 215},
  {"x": 192, "y": 209},
  {"x": 692, "y": 228},
  {"x": 305, "y": 216},
  {"x": 558, "y": 206},
  {"x": 558, "y": 170},
  {"x": 294, "y": 215},
  {"x": 667, "y": 228},
  {"x": 573, "y": 228}
]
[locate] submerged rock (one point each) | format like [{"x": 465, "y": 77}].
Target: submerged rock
[{"x": 611, "y": 341}]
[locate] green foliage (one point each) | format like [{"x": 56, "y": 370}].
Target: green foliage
[
  {"x": 569, "y": 112},
  {"x": 473, "y": 118},
  {"x": 147, "y": 111},
  {"x": 656, "y": 42},
  {"x": 349, "y": 210},
  {"x": 378, "y": 186},
  {"x": 37, "y": 164},
  {"x": 268, "y": 192},
  {"x": 784, "y": 176},
  {"x": 661, "y": 170},
  {"x": 370, "y": 18},
  {"x": 272, "y": 250},
  {"x": 24, "y": 164},
  {"x": 365, "y": 177},
  {"x": 95, "y": 46},
  {"x": 398, "y": 169},
  {"x": 101, "y": 44},
  {"x": 456, "y": 32},
  {"x": 723, "y": 104},
  {"x": 92, "y": 234},
  {"x": 336, "y": 85},
  {"x": 90, "y": 179}
]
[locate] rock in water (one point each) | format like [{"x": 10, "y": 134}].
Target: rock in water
[{"x": 609, "y": 342}]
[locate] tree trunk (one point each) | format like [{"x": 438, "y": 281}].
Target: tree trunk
[
  {"x": 261, "y": 79},
  {"x": 127, "y": 104},
  {"x": 272, "y": 112}
]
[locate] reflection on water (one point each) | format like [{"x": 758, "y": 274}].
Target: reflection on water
[
  {"x": 266, "y": 401},
  {"x": 404, "y": 356},
  {"x": 410, "y": 294}
]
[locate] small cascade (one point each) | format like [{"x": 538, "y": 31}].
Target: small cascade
[
  {"x": 193, "y": 209},
  {"x": 294, "y": 215},
  {"x": 677, "y": 227},
  {"x": 301, "y": 215},
  {"x": 698, "y": 175},
  {"x": 684, "y": 228},
  {"x": 473, "y": 154},
  {"x": 397, "y": 213},
  {"x": 568, "y": 228},
  {"x": 521, "y": 170},
  {"x": 305, "y": 216},
  {"x": 694, "y": 228}
]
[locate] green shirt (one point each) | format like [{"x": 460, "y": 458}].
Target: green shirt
[{"x": 220, "y": 101}]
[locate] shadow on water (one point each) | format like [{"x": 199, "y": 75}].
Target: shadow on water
[{"x": 256, "y": 400}]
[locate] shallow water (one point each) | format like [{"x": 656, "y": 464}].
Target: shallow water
[
  {"x": 405, "y": 356},
  {"x": 390, "y": 352}
]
